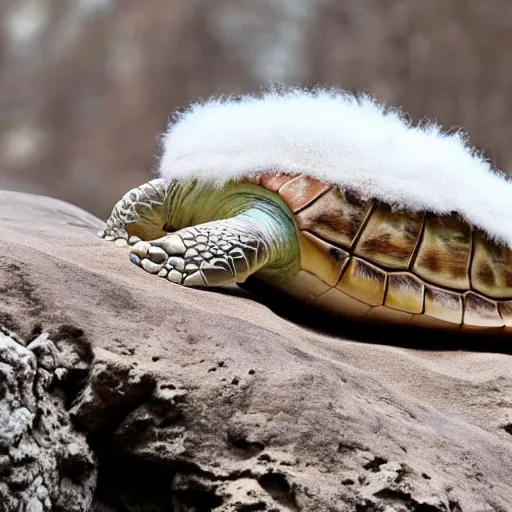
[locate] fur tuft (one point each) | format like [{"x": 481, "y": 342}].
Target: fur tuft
[{"x": 350, "y": 141}]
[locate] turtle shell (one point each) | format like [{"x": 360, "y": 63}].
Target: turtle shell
[{"x": 364, "y": 259}]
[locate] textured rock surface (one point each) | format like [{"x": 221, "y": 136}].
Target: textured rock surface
[
  {"x": 45, "y": 464},
  {"x": 187, "y": 401}
]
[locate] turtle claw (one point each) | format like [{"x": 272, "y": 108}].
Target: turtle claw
[
  {"x": 134, "y": 259},
  {"x": 119, "y": 236}
]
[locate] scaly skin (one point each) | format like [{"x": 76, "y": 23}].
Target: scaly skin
[
  {"x": 221, "y": 236},
  {"x": 139, "y": 214}
]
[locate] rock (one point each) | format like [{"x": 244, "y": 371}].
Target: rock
[
  {"x": 45, "y": 463},
  {"x": 121, "y": 391}
]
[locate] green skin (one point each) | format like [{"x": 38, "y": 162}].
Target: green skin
[{"x": 201, "y": 235}]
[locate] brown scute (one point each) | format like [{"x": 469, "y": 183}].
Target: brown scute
[
  {"x": 481, "y": 312},
  {"x": 486, "y": 275},
  {"x": 445, "y": 251},
  {"x": 432, "y": 260},
  {"x": 301, "y": 191},
  {"x": 322, "y": 220},
  {"x": 364, "y": 282},
  {"x": 335, "y": 217},
  {"x": 382, "y": 243},
  {"x": 405, "y": 292},
  {"x": 390, "y": 237},
  {"x": 322, "y": 259},
  {"x": 436, "y": 261},
  {"x": 275, "y": 181},
  {"x": 443, "y": 304},
  {"x": 491, "y": 269}
]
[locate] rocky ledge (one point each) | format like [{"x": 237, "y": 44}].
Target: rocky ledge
[{"x": 120, "y": 391}]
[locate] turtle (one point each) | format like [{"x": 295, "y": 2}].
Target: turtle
[{"x": 332, "y": 199}]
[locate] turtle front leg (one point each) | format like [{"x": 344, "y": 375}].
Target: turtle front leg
[
  {"x": 139, "y": 215},
  {"x": 225, "y": 251}
]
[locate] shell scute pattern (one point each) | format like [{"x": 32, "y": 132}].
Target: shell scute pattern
[
  {"x": 389, "y": 238},
  {"x": 445, "y": 251},
  {"x": 443, "y": 305},
  {"x": 365, "y": 259},
  {"x": 271, "y": 181},
  {"x": 364, "y": 281},
  {"x": 491, "y": 272},
  {"x": 480, "y": 311},
  {"x": 405, "y": 293},
  {"x": 335, "y": 217},
  {"x": 301, "y": 191},
  {"x": 321, "y": 258}
]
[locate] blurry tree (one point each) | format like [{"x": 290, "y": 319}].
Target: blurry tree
[{"x": 86, "y": 86}]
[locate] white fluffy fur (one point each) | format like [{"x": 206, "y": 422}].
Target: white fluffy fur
[{"x": 351, "y": 142}]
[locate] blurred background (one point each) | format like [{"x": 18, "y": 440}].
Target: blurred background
[{"x": 86, "y": 86}]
